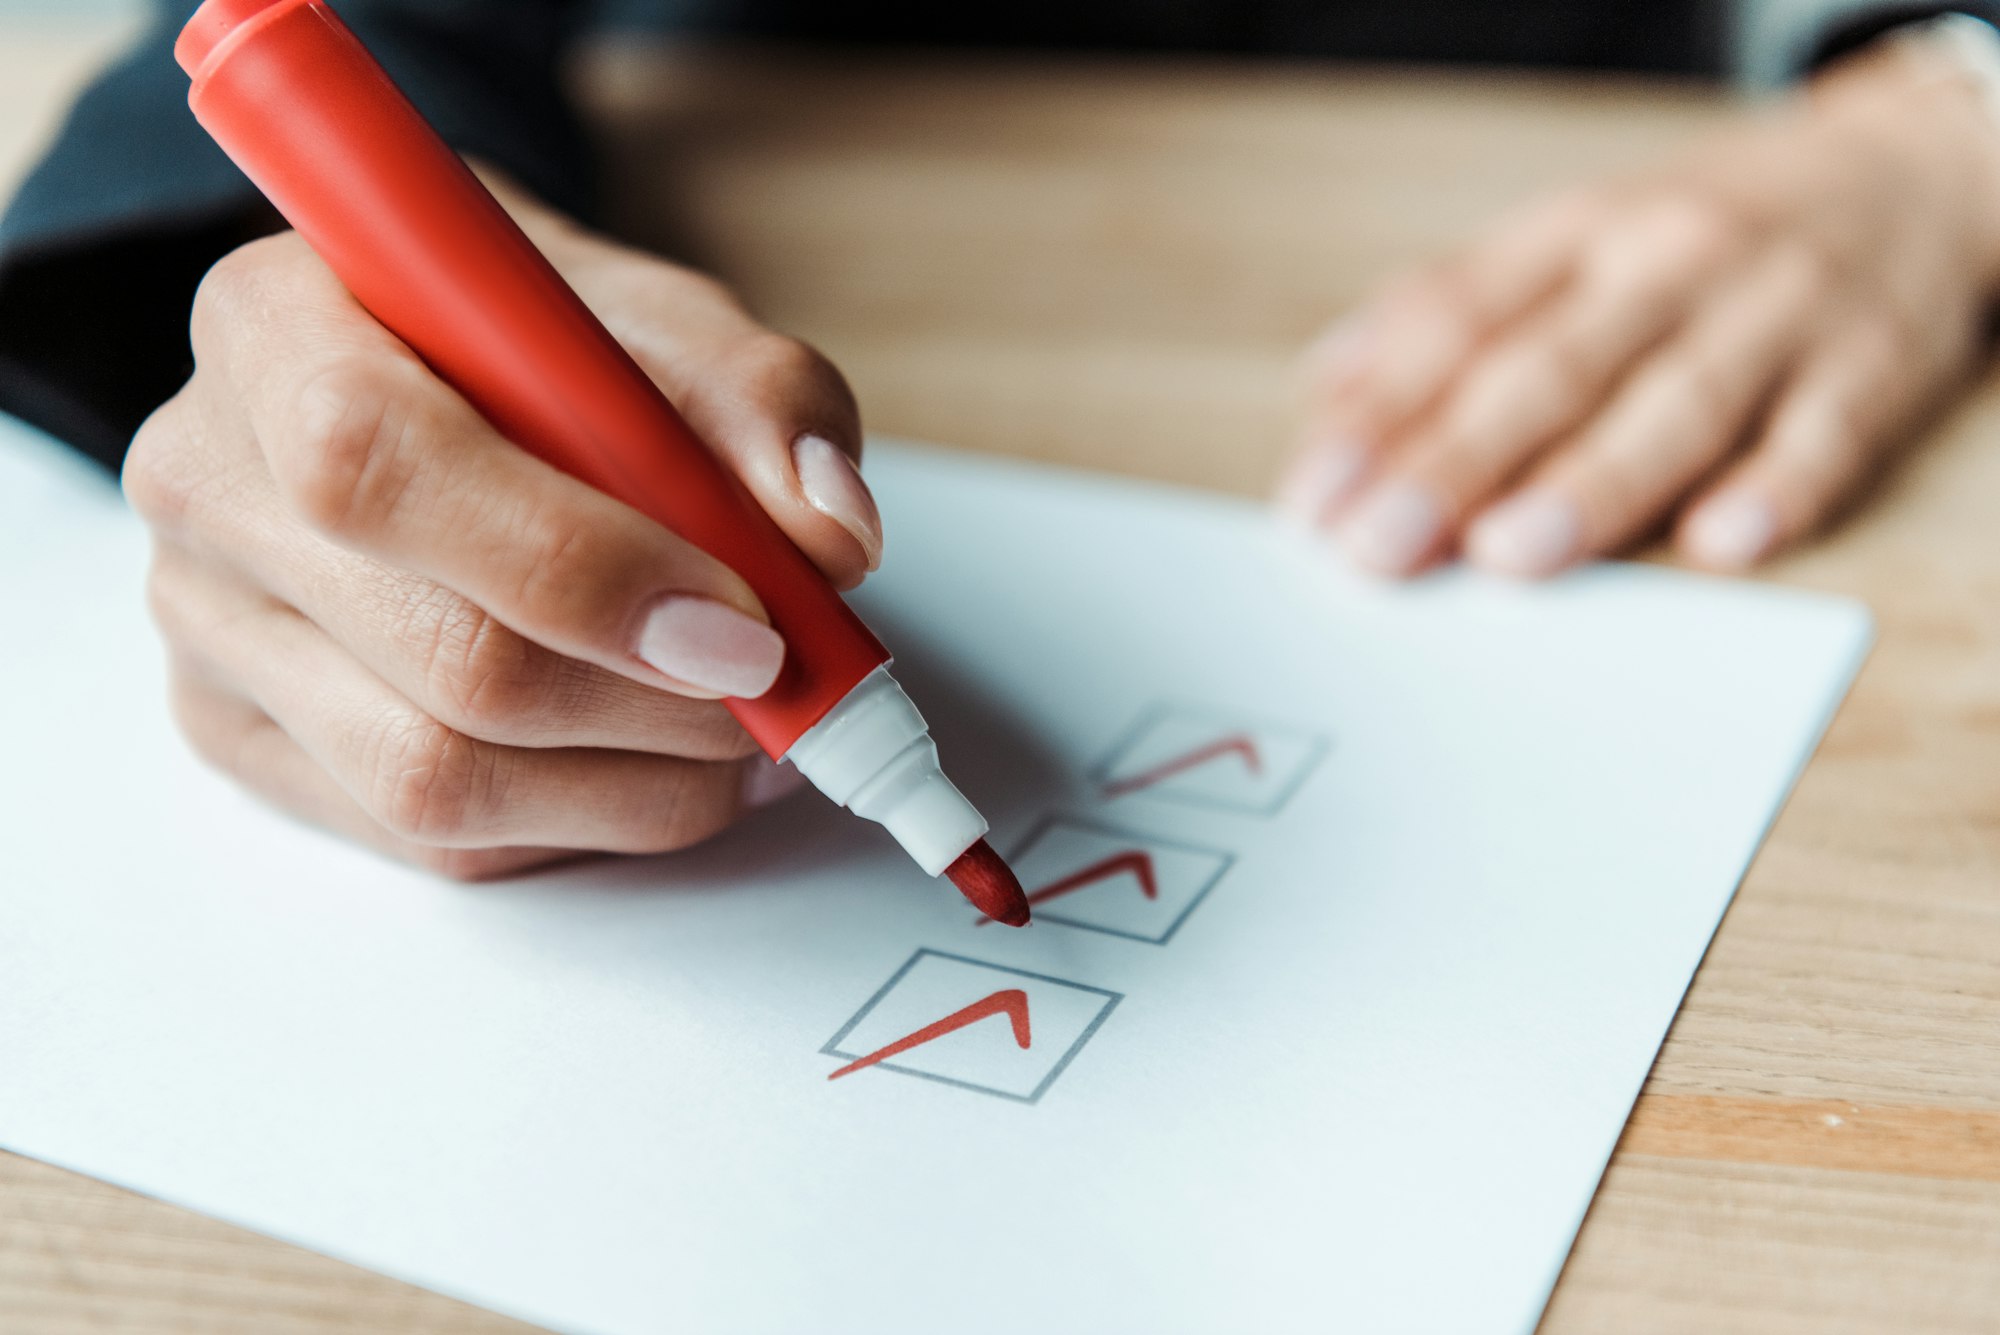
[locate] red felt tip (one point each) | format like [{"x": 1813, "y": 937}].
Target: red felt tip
[{"x": 995, "y": 891}]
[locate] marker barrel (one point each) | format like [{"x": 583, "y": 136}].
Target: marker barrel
[{"x": 302, "y": 107}]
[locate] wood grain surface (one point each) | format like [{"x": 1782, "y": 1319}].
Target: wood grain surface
[{"x": 1110, "y": 265}]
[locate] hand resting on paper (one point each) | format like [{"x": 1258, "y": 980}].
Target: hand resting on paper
[
  {"x": 1730, "y": 344},
  {"x": 386, "y": 619}
]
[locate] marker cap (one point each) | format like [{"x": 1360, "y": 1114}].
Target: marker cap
[
  {"x": 873, "y": 754},
  {"x": 210, "y": 24}
]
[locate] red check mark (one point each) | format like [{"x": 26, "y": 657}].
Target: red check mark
[
  {"x": 1136, "y": 861},
  {"x": 1236, "y": 743},
  {"x": 1012, "y": 1002}
]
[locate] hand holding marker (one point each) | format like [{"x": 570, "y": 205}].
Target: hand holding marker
[{"x": 312, "y": 119}]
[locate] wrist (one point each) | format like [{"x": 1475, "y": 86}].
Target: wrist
[
  {"x": 1915, "y": 96},
  {"x": 1962, "y": 55}
]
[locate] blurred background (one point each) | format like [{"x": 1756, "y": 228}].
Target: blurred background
[
  {"x": 1075, "y": 255},
  {"x": 68, "y": 9},
  {"x": 1745, "y": 41}
]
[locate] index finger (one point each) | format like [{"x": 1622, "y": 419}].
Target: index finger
[
  {"x": 375, "y": 453},
  {"x": 1373, "y": 373}
]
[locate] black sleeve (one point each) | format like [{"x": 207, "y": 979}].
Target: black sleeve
[{"x": 103, "y": 246}]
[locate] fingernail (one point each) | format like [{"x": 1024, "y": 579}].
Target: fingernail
[
  {"x": 1533, "y": 533},
  {"x": 1733, "y": 531},
  {"x": 833, "y": 486},
  {"x": 711, "y": 646},
  {"x": 1395, "y": 527},
  {"x": 1321, "y": 477},
  {"x": 766, "y": 781}
]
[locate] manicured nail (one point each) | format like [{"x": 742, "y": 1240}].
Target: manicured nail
[
  {"x": 766, "y": 781},
  {"x": 711, "y": 646},
  {"x": 1533, "y": 533},
  {"x": 834, "y": 487},
  {"x": 1320, "y": 478},
  {"x": 1394, "y": 527},
  {"x": 1734, "y": 531}
]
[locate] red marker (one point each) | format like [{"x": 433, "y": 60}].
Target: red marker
[{"x": 313, "y": 120}]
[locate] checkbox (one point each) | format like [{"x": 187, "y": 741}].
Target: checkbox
[
  {"x": 1104, "y": 879},
  {"x": 1210, "y": 758},
  {"x": 971, "y": 1024}
]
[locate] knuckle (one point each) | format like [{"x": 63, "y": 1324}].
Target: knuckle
[
  {"x": 192, "y": 709},
  {"x": 566, "y": 565},
  {"x": 1565, "y": 368},
  {"x": 157, "y": 485},
  {"x": 430, "y": 784},
  {"x": 1609, "y": 257},
  {"x": 694, "y": 803},
  {"x": 230, "y": 281},
  {"x": 190, "y": 486},
  {"x": 480, "y": 678},
  {"x": 1667, "y": 239},
  {"x": 1435, "y": 319},
  {"x": 1698, "y": 225},
  {"x": 340, "y": 467},
  {"x": 1524, "y": 391},
  {"x": 1708, "y": 225},
  {"x": 781, "y": 362},
  {"x": 238, "y": 286},
  {"x": 1701, "y": 392}
]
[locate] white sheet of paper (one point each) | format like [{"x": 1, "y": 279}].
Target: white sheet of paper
[{"x": 1430, "y": 869}]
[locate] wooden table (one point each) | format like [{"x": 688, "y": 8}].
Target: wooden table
[{"x": 1110, "y": 265}]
